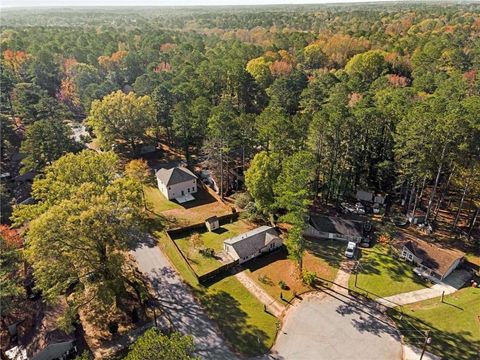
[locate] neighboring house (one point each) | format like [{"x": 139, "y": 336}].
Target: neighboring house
[
  {"x": 434, "y": 260},
  {"x": 177, "y": 183},
  {"x": 212, "y": 223},
  {"x": 370, "y": 197},
  {"x": 334, "y": 227},
  {"x": 59, "y": 351},
  {"x": 251, "y": 244}
]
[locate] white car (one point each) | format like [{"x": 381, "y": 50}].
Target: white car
[{"x": 350, "y": 250}]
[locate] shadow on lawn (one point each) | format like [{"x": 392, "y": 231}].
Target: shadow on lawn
[
  {"x": 375, "y": 262},
  {"x": 446, "y": 344},
  {"x": 329, "y": 250},
  {"x": 232, "y": 321},
  {"x": 202, "y": 197}
]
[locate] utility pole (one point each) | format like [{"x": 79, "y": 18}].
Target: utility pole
[{"x": 428, "y": 339}]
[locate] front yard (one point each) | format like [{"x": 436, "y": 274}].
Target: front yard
[
  {"x": 240, "y": 316},
  {"x": 454, "y": 324},
  {"x": 213, "y": 240},
  {"x": 381, "y": 274},
  {"x": 322, "y": 257}
]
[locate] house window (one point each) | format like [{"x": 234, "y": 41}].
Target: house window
[
  {"x": 188, "y": 189},
  {"x": 169, "y": 188}
]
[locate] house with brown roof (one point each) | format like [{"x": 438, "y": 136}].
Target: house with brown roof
[{"x": 436, "y": 261}]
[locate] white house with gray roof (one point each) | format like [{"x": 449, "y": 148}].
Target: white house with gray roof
[
  {"x": 177, "y": 183},
  {"x": 251, "y": 244}
]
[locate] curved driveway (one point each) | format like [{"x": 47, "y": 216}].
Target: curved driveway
[{"x": 332, "y": 326}]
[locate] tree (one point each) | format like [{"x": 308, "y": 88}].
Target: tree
[
  {"x": 45, "y": 71},
  {"x": 11, "y": 279},
  {"x": 77, "y": 248},
  {"x": 153, "y": 345},
  {"x": 46, "y": 141},
  {"x": 295, "y": 241},
  {"x": 367, "y": 66},
  {"x": 260, "y": 179},
  {"x": 122, "y": 120},
  {"x": 139, "y": 171},
  {"x": 64, "y": 177},
  {"x": 293, "y": 188},
  {"x": 25, "y": 97}
]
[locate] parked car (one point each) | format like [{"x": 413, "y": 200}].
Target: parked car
[
  {"x": 359, "y": 208},
  {"x": 350, "y": 250},
  {"x": 365, "y": 243}
]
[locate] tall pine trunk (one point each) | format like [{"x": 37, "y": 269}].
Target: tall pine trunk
[
  {"x": 457, "y": 217},
  {"x": 434, "y": 190}
]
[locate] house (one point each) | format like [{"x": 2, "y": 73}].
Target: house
[
  {"x": 59, "y": 351},
  {"x": 435, "y": 261},
  {"x": 177, "y": 183},
  {"x": 251, "y": 244},
  {"x": 364, "y": 196},
  {"x": 212, "y": 223},
  {"x": 334, "y": 227}
]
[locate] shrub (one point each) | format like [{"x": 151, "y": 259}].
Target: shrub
[
  {"x": 283, "y": 285},
  {"x": 308, "y": 277},
  {"x": 242, "y": 200},
  {"x": 208, "y": 252}
]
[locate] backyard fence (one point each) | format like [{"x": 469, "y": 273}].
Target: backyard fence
[{"x": 174, "y": 234}]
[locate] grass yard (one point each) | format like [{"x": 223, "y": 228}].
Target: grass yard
[
  {"x": 454, "y": 324},
  {"x": 268, "y": 271},
  {"x": 239, "y": 315},
  {"x": 204, "y": 206},
  {"x": 213, "y": 240},
  {"x": 156, "y": 202},
  {"x": 383, "y": 275}
]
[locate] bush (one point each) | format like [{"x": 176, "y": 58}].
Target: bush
[
  {"x": 308, "y": 277},
  {"x": 242, "y": 200},
  {"x": 283, "y": 285},
  {"x": 208, "y": 252}
]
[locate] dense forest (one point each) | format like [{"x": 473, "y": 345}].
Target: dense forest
[{"x": 311, "y": 107}]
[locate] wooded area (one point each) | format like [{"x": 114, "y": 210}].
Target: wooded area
[{"x": 310, "y": 103}]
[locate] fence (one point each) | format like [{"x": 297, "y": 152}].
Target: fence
[{"x": 180, "y": 232}]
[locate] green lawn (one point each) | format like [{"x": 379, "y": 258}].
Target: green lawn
[
  {"x": 239, "y": 315},
  {"x": 382, "y": 275},
  {"x": 213, "y": 240},
  {"x": 156, "y": 202},
  {"x": 454, "y": 325}
]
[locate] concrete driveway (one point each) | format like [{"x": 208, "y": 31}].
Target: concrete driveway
[
  {"x": 178, "y": 301},
  {"x": 332, "y": 326}
]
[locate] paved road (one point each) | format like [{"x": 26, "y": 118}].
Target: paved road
[
  {"x": 334, "y": 327},
  {"x": 187, "y": 315}
]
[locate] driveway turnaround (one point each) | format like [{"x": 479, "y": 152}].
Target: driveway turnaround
[
  {"x": 332, "y": 326},
  {"x": 179, "y": 303}
]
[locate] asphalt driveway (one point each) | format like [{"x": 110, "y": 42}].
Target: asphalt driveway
[
  {"x": 178, "y": 301},
  {"x": 334, "y": 327}
]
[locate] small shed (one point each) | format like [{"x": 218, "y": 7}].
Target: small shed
[{"x": 212, "y": 223}]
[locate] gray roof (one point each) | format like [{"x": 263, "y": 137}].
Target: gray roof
[
  {"x": 252, "y": 241},
  {"x": 174, "y": 175},
  {"x": 54, "y": 351},
  {"x": 337, "y": 225}
]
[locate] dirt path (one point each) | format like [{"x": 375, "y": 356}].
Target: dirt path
[{"x": 273, "y": 305}]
